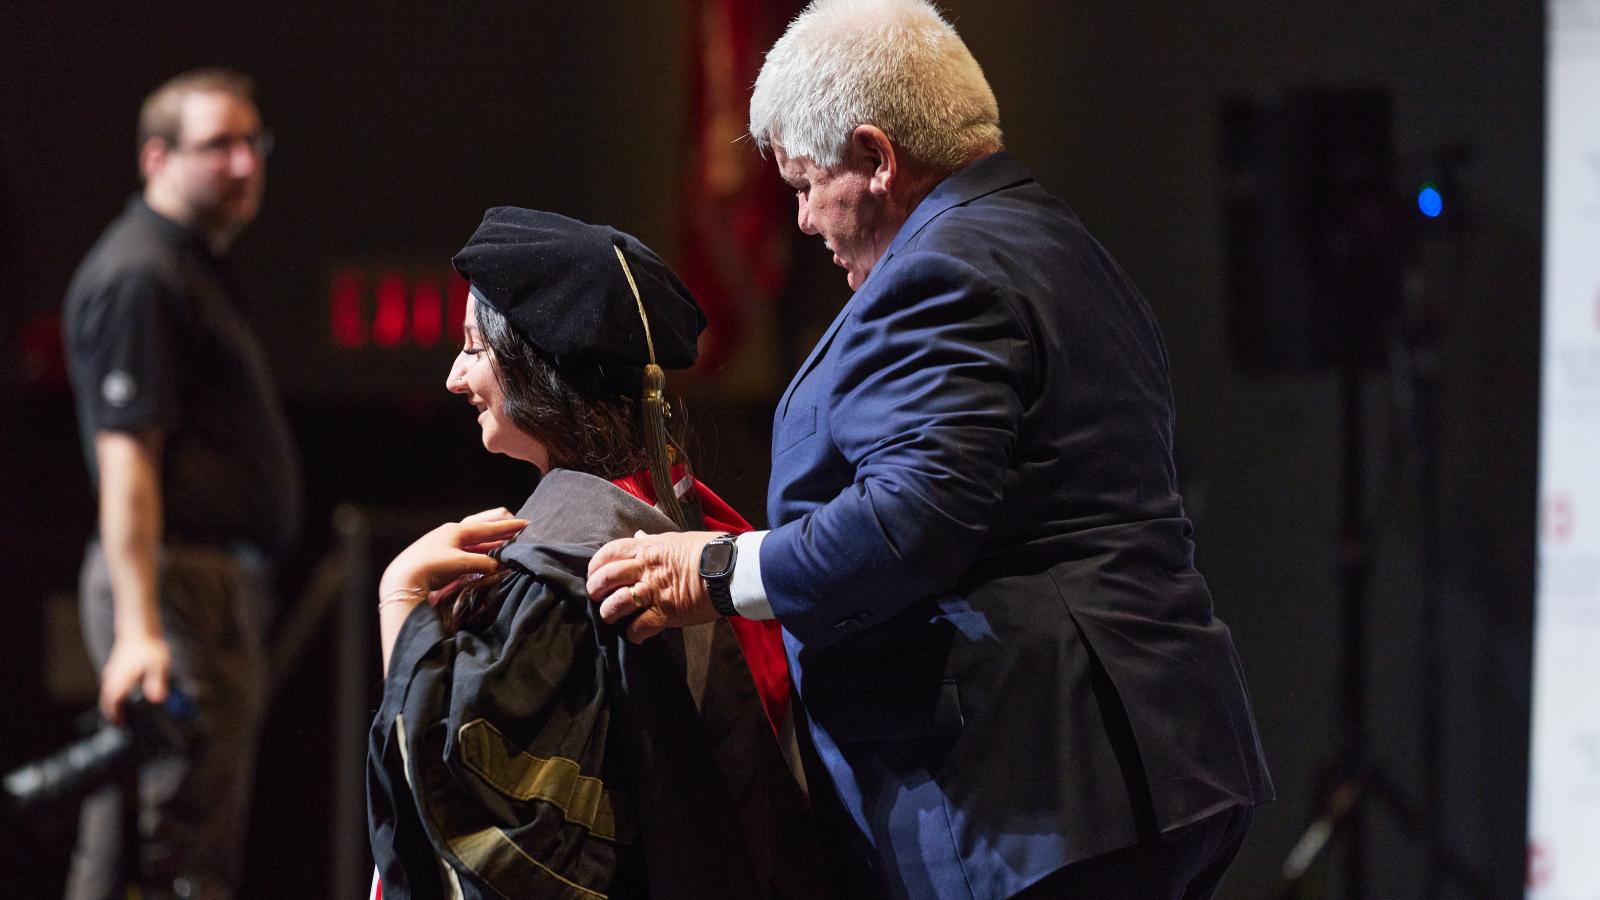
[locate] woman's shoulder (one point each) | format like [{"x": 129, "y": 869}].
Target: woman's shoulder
[{"x": 571, "y": 507}]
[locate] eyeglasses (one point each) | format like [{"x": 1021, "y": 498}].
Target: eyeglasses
[{"x": 221, "y": 148}]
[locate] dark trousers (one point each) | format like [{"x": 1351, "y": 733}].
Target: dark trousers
[
  {"x": 193, "y": 809},
  {"x": 1186, "y": 863}
]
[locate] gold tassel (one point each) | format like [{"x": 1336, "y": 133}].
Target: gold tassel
[{"x": 653, "y": 409}]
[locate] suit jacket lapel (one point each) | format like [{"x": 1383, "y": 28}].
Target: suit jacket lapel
[{"x": 816, "y": 354}]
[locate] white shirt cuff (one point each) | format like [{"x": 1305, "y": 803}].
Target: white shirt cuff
[{"x": 749, "y": 597}]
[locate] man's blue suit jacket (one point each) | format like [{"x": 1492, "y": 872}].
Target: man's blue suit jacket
[{"x": 981, "y": 561}]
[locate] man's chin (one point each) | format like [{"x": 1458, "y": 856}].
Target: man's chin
[
  {"x": 242, "y": 212},
  {"x": 239, "y": 207},
  {"x": 229, "y": 221}
]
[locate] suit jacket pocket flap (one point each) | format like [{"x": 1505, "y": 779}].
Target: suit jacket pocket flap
[{"x": 795, "y": 427}]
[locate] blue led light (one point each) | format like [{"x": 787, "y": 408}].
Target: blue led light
[{"x": 1429, "y": 202}]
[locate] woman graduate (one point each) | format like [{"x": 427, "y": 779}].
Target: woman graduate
[{"x": 522, "y": 747}]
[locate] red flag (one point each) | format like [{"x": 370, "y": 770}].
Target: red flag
[{"x": 735, "y": 214}]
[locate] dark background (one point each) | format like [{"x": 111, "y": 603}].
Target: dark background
[{"x": 398, "y": 124}]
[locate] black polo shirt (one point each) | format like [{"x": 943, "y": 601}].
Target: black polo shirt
[{"x": 155, "y": 339}]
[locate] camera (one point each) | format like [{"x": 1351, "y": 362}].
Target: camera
[{"x": 150, "y": 731}]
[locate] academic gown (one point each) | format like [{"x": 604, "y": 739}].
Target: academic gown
[{"x": 545, "y": 756}]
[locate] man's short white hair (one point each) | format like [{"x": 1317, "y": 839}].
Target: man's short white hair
[{"x": 896, "y": 64}]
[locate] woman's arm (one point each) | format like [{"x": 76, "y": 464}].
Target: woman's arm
[{"x": 434, "y": 560}]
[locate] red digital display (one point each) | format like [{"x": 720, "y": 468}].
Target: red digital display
[
  {"x": 389, "y": 322},
  {"x": 427, "y": 313},
  {"x": 391, "y": 307},
  {"x": 346, "y": 324}
]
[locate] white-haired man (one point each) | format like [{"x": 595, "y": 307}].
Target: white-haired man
[{"x": 1009, "y": 666}]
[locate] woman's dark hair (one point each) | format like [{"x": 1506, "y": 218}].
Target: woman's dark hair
[{"x": 584, "y": 423}]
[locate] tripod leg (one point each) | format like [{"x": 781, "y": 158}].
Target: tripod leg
[{"x": 1313, "y": 843}]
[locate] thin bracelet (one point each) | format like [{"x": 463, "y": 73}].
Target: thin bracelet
[{"x": 402, "y": 595}]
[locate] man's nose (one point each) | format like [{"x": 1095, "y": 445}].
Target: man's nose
[
  {"x": 804, "y": 215},
  {"x": 244, "y": 159},
  {"x": 248, "y": 154}
]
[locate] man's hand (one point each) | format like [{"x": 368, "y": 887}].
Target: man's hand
[
  {"x": 656, "y": 576},
  {"x": 142, "y": 661}
]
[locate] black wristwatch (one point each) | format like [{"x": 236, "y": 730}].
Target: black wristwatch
[{"x": 716, "y": 568}]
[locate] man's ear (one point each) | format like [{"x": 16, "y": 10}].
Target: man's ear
[
  {"x": 874, "y": 149},
  {"x": 153, "y": 157}
]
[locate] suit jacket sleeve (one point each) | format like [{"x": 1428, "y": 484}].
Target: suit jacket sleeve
[{"x": 924, "y": 404}]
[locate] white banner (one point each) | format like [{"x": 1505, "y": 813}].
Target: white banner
[{"x": 1564, "y": 791}]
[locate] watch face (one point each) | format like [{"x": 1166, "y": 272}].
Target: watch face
[{"x": 716, "y": 559}]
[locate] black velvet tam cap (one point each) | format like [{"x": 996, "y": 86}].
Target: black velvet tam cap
[{"x": 559, "y": 283}]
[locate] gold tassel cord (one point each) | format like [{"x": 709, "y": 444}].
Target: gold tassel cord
[{"x": 652, "y": 407}]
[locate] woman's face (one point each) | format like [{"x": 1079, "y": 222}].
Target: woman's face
[{"x": 476, "y": 375}]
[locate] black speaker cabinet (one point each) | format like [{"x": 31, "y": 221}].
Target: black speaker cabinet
[{"x": 1312, "y": 228}]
